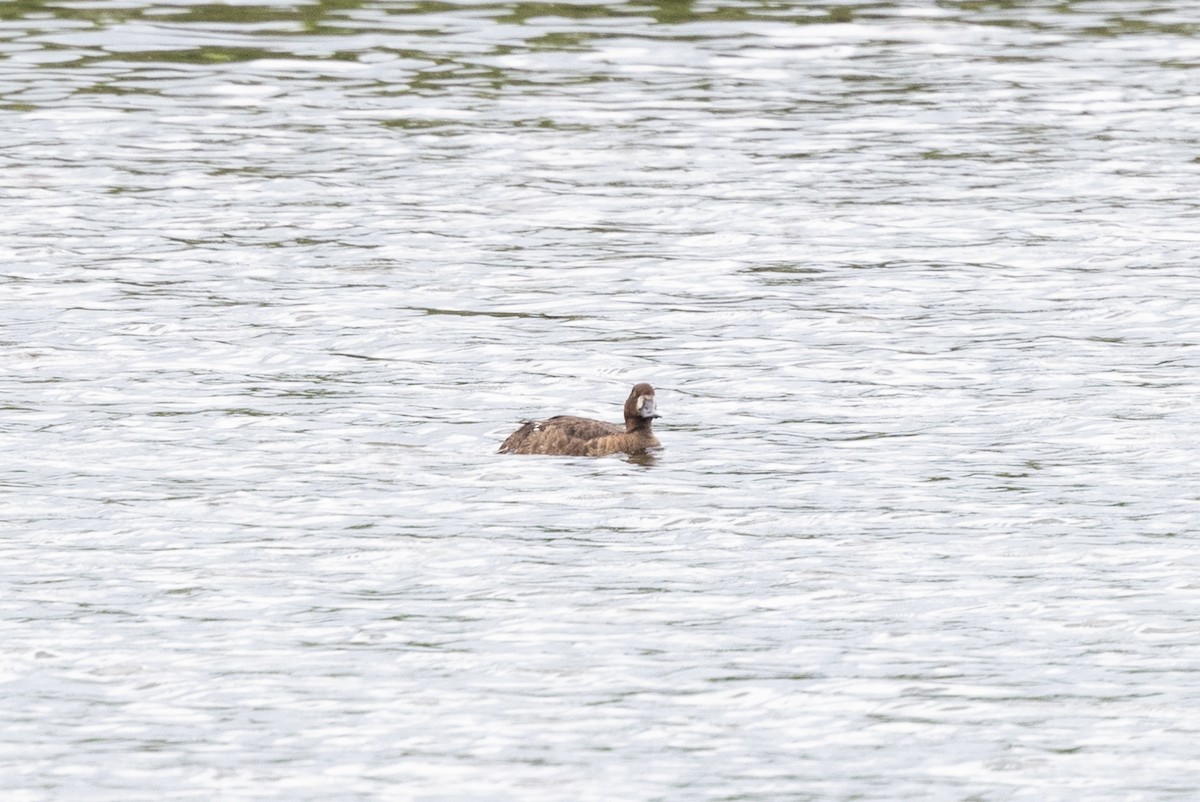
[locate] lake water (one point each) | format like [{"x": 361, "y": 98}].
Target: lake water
[{"x": 918, "y": 286}]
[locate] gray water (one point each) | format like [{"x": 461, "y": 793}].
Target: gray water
[{"x": 917, "y": 284}]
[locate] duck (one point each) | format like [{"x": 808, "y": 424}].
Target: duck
[{"x": 569, "y": 436}]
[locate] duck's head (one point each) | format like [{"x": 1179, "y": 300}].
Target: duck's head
[{"x": 640, "y": 403}]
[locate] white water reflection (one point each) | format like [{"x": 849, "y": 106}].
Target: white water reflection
[{"x": 915, "y": 287}]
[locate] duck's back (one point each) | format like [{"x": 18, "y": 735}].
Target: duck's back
[{"x": 565, "y": 435}]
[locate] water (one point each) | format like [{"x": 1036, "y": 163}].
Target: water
[{"x": 915, "y": 282}]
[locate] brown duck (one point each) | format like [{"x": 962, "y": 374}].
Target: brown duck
[{"x": 568, "y": 436}]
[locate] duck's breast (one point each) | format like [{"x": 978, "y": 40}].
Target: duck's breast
[{"x": 622, "y": 443}]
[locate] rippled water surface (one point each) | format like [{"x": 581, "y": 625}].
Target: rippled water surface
[{"x": 918, "y": 286}]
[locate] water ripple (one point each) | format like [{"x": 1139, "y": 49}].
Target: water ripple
[{"x": 913, "y": 284}]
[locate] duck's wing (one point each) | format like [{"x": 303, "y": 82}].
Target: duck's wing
[
  {"x": 564, "y": 435},
  {"x": 580, "y": 428}
]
